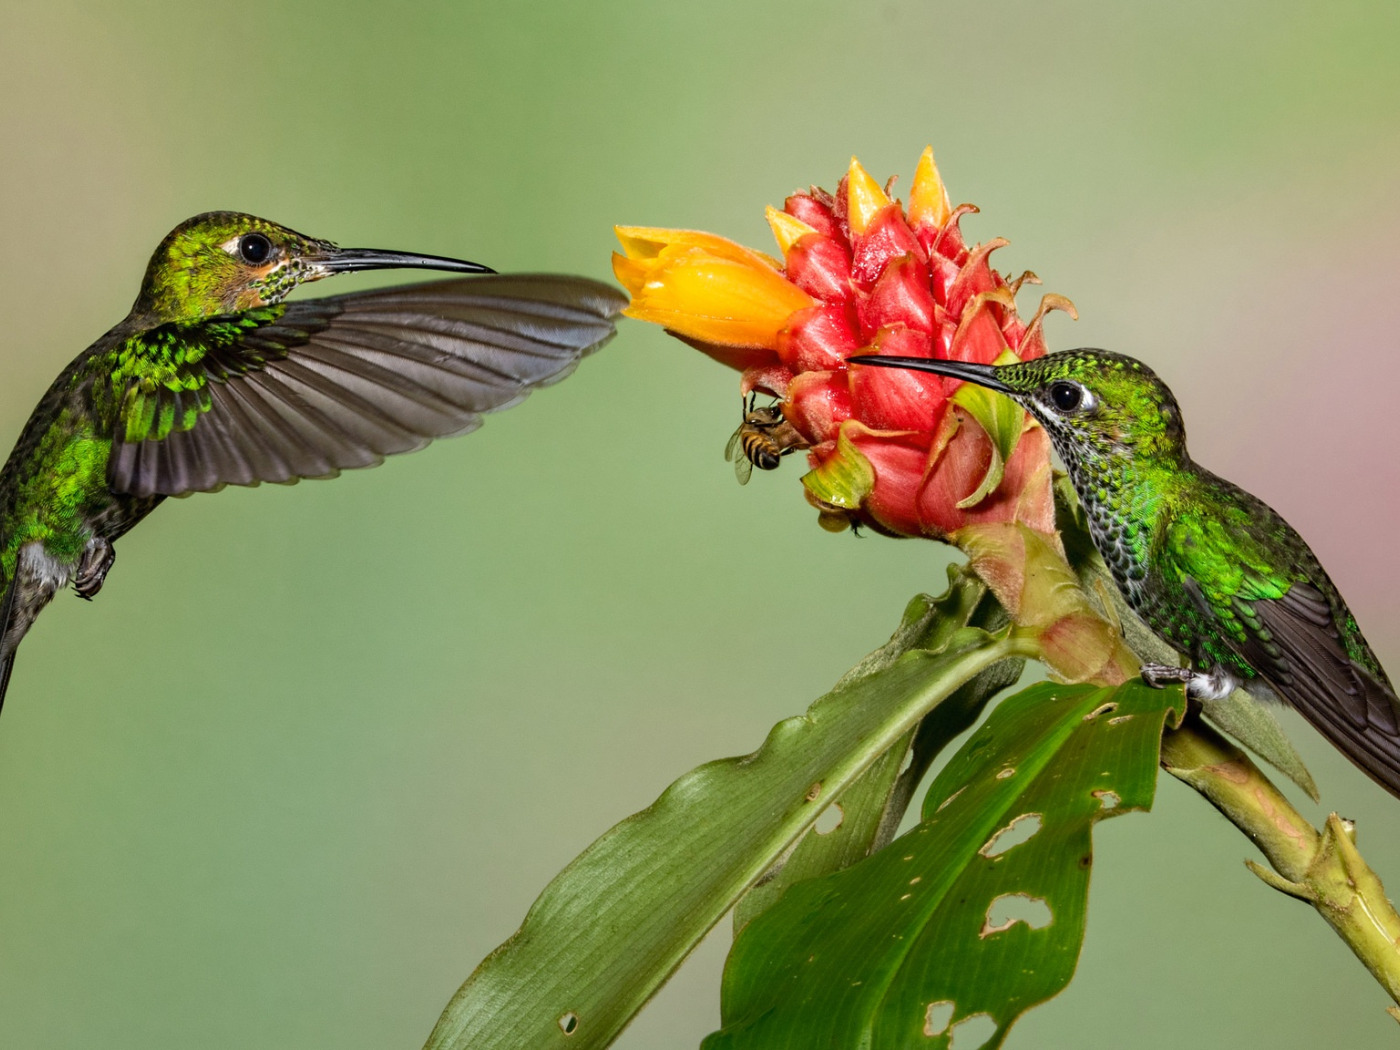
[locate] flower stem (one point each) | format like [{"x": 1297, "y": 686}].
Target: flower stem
[{"x": 1322, "y": 868}]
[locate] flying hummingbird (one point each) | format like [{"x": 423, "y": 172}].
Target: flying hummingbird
[
  {"x": 213, "y": 380},
  {"x": 1214, "y": 571}
]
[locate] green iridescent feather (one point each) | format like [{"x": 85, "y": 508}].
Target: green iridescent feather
[
  {"x": 132, "y": 385},
  {"x": 212, "y": 380},
  {"x": 1210, "y": 568}
]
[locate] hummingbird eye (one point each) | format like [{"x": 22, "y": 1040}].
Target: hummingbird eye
[
  {"x": 1070, "y": 397},
  {"x": 254, "y": 248}
]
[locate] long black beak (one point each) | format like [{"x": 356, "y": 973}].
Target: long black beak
[
  {"x": 347, "y": 260},
  {"x": 982, "y": 375}
]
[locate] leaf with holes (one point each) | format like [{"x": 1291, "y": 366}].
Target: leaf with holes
[
  {"x": 611, "y": 927},
  {"x": 871, "y": 808},
  {"x": 973, "y": 917}
]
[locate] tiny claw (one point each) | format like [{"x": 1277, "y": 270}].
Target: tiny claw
[
  {"x": 1159, "y": 676},
  {"x": 96, "y": 562}
]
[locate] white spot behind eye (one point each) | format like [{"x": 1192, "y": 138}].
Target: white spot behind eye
[
  {"x": 275, "y": 258},
  {"x": 1068, "y": 388}
]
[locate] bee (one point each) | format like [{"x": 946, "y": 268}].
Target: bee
[{"x": 761, "y": 441}]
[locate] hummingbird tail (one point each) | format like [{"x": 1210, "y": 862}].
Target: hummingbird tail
[
  {"x": 1353, "y": 706},
  {"x": 1368, "y": 733},
  {"x": 6, "y": 665},
  {"x": 7, "y": 649}
]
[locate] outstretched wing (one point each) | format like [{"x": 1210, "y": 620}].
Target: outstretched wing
[
  {"x": 1288, "y": 630},
  {"x": 308, "y": 389}
]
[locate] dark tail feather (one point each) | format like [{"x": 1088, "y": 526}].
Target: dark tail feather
[
  {"x": 6, "y": 666},
  {"x": 1307, "y": 663},
  {"x": 7, "y": 661},
  {"x": 1370, "y": 737}
]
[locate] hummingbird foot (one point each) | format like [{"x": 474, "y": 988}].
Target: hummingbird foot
[
  {"x": 96, "y": 562},
  {"x": 1200, "y": 685}
]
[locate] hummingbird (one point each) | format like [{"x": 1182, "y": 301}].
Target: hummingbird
[
  {"x": 1212, "y": 570},
  {"x": 213, "y": 379}
]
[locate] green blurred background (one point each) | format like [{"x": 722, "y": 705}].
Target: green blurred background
[{"x": 315, "y": 750}]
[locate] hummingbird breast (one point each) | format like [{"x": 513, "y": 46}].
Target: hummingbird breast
[
  {"x": 1128, "y": 509},
  {"x": 1124, "y": 541}
]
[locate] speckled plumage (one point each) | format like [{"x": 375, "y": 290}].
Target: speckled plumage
[
  {"x": 1213, "y": 570},
  {"x": 212, "y": 380}
]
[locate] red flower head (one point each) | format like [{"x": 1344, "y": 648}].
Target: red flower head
[{"x": 907, "y": 453}]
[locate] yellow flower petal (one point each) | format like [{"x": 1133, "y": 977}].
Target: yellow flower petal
[
  {"x": 630, "y": 273},
  {"x": 787, "y": 229},
  {"x": 864, "y": 198},
  {"x": 649, "y": 242},
  {"x": 928, "y": 198},
  {"x": 733, "y": 302}
]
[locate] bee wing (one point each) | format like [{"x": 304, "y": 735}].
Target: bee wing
[
  {"x": 734, "y": 452},
  {"x": 743, "y": 469}
]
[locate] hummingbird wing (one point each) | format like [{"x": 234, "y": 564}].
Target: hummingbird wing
[
  {"x": 311, "y": 388},
  {"x": 1298, "y": 639}
]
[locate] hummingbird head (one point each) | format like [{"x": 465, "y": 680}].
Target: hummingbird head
[
  {"x": 224, "y": 262},
  {"x": 1097, "y": 406}
]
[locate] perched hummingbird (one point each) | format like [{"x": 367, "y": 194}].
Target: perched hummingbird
[
  {"x": 1214, "y": 571},
  {"x": 213, "y": 380}
]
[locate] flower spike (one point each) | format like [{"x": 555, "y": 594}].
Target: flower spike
[{"x": 906, "y": 453}]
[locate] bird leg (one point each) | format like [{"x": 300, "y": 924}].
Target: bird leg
[
  {"x": 1200, "y": 685},
  {"x": 96, "y": 562},
  {"x": 1159, "y": 676}
]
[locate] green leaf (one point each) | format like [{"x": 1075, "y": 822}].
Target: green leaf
[
  {"x": 958, "y": 917},
  {"x": 613, "y": 926},
  {"x": 1002, "y": 419},
  {"x": 871, "y": 808}
]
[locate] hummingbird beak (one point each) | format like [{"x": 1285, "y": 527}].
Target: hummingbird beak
[
  {"x": 349, "y": 260},
  {"x": 982, "y": 375}
]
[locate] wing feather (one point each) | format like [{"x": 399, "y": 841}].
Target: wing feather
[
  {"x": 1288, "y": 630},
  {"x": 1351, "y": 706},
  {"x": 339, "y": 383}
]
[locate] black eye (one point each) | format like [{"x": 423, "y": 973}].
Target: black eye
[
  {"x": 1066, "y": 396},
  {"x": 254, "y": 248}
]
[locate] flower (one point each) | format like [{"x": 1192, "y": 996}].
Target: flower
[
  {"x": 906, "y": 453},
  {"x": 706, "y": 289}
]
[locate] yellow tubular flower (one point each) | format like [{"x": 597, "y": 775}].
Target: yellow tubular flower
[{"x": 705, "y": 287}]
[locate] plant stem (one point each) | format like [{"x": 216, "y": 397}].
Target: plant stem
[{"x": 1322, "y": 868}]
